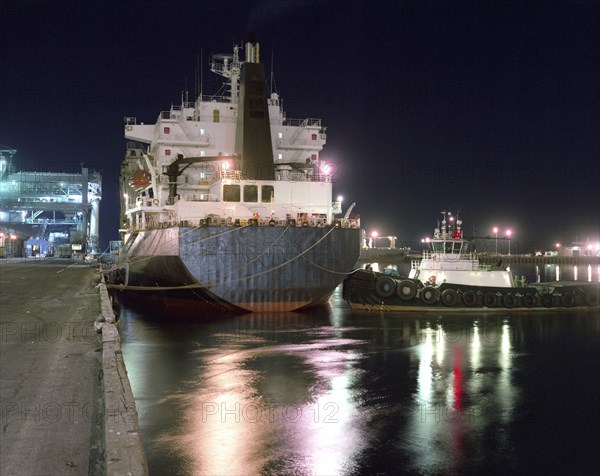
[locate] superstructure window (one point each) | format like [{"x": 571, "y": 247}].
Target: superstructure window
[
  {"x": 267, "y": 193},
  {"x": 250, "y": 193},
  {"x": 231, "y": 193}
]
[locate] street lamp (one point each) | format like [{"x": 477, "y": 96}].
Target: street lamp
[
  {"x": 496, "y": 233},
  {"x": 508, "y": 233},
  {"x": 374, "y": 235}
]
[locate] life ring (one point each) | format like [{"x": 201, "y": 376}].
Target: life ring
[
  {"x": 449, "y": 297},
  {"x": 432, "y": 279},
  {"x": 129, "y": 128},
  {"x": 548, "y": 300},
  {"x": 429, "y": 295},
  {"x": 529, "y": 300},
  {"x": 385, "y": 286},
  {"x": 509, "y": 300},
  {"x": 469, "y": 298},
  {"x": 490, "y": 300},
  {"x": 406, "y": 290},
  {"x": 156, "y": 202},
  {"x": 567, "y": 300},
  {"x": 591, "y": 299}
]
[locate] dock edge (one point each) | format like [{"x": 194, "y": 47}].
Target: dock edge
[{"x": 123, "y": 449}]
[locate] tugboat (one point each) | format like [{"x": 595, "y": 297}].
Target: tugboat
[
  {"x": 226, "y": 205},
  {"x": 449, "y": 277}
]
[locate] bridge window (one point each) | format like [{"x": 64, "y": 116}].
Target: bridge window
[
  {"x": 267, "y": 194},
  {"x": 231, "y": 193},
  {"x": 216, "y": 115},
  {"x": 250, "y": 193}
]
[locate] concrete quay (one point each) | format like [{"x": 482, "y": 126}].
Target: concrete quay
[{"x": 65, "y": 400}]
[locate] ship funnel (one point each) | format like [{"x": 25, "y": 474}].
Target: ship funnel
[
  {"x": 253, "y": 132},
  {"x": 252, "y": 50}
]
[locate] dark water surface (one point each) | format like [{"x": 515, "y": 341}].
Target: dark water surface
[{"x": 335, "y": 392}]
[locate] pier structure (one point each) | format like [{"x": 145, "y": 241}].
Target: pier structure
[
  {"x": 67, "y": 404},
  {"x": 48, "y": 212}
]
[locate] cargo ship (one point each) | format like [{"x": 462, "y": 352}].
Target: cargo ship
[
  {"x": 226, "y": 204},
  {"x": 449, "y": 277}
]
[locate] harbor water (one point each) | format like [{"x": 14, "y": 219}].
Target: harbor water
[{"x": 334, "y": 392}]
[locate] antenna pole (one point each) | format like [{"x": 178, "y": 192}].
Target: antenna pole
[
  {"x": 271, "y": 85},
  {"x": 201, "y": 72}
]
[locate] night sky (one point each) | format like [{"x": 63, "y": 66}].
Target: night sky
[{"x": 490, "y": 108}]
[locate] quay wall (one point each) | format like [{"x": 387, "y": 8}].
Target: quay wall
[{"x": 124, "y": 451}]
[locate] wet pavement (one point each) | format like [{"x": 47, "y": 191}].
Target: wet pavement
[{"x": 50, "y": 388}]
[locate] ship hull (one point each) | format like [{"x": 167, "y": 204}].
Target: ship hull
[
  {"x": 257, "y": 269},
  {"x": 369, "y": 291}
]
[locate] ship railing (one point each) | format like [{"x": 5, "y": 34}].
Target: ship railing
[
  {"x": 231, "y": 174},
  {"x": 214, "y": 221},
  {"x": 215, "y": 98},
  {"x": 310, "y": 122},
  {"x": 201, "y": 197}
]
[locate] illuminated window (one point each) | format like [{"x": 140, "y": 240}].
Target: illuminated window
[
  {"x": 201, "y": 132},
  {"x": 280, "y": 135},
  {"x": 280, "y": 156}
]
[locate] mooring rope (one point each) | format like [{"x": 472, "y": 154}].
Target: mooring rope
[
  {"x": 141, "y": 259},
  {"x": 224, "y": 281}
]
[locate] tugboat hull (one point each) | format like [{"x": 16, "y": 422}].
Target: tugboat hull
[{"x": 369, "y": 291}]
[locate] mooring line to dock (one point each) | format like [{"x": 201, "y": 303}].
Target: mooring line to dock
[
  {"x": 142, "y": 259},
  {"x": 331, "y": 271},
  {"x": 70, "y": 266}
]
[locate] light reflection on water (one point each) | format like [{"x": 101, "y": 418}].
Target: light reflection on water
[{"x": 339, "y": 393}]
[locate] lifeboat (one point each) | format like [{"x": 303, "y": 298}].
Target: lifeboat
[{"x": 140, "y": 179}]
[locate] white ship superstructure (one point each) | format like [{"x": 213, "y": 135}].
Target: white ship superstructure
[
  {"x": 449, "y": 260},
  {"x": 206, "y": 131}
]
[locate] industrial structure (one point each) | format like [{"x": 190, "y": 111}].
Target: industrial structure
[{"x": 48, "y": 213}]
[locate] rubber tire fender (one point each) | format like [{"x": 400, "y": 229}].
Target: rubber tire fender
[
  {"x": 429, "y": 295},
  {"x": 591, "y": 299},
  {"x": 567, "y": 300},
  {"x": 385, "y": 286},
  {"x": 449, "y": 297},
  {"x": 509, "y": 300},
  {"x": 469, "y": 298},
  {"x": 406, "y": 290},
  {"x": 529, "y": 300},
  {"x": 490, "y": 300},
  {"x": 548, "y": 300}
]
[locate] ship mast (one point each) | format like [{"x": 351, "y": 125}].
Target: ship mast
[{"x": 229, "y": 69}]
